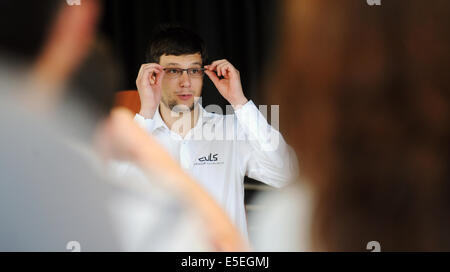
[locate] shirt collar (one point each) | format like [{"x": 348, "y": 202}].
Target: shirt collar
[
  {"x": 204, "y": 117},
  {"x": 158, "y": 121}
]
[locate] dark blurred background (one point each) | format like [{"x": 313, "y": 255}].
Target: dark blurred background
[{"x": 243, "y": 31}]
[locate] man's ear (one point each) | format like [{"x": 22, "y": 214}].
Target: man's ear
[{"x": 68, "y": 43}]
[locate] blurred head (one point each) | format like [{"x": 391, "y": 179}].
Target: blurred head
[
  {"x": 364, "y": 100},
  {"x": 177, "y": 47},
  {"x": 53, "y": 41},
  {"x": 24, "y": 28}
]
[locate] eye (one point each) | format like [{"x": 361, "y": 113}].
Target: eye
[
  {"x": 172, "y": 71},
  {"x": 196, "y": 71}
]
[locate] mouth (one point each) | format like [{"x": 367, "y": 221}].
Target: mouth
[{"x": 184, "y": 96}]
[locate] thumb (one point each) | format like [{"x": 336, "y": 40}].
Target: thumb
[{"x": 214, "y": 78}]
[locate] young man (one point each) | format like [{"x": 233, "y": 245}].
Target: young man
[{"x": 217, "y": 150}]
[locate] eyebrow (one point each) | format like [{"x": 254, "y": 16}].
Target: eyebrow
[{"x": 177, "y": 64}]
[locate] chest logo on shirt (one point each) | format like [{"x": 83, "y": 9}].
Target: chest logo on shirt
[{"x": 210, "y": 159}]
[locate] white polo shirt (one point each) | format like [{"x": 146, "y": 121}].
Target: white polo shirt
[{"x": 221, "y": 149}]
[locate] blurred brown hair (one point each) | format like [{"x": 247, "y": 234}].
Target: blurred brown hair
[{"x": 364, "y": 100}]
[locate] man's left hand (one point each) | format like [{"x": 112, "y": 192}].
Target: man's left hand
[{"x": 230, "y": 85}]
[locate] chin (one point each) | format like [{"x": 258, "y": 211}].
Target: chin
[{"x": 184, "y": 106}]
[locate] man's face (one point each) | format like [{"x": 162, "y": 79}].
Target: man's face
[{"x": 183, "y": 89}]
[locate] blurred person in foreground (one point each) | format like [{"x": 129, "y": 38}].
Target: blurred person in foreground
[
  {"x": 55, "y": 194},
  {"x": 364, "y": 98}
]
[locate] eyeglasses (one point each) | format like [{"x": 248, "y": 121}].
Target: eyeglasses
[{"x": 177, "y": 72}]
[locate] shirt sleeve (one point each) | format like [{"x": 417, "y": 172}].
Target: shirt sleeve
[
  {"x": 265, "y": 155},
  {"x": 146, "y": 124}
]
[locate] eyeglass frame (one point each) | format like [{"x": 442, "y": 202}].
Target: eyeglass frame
[{"x": 187, "y": 71}]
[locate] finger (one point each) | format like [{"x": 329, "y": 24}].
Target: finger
[
  {"x": 220, "y": 69},
  {"x": 143, "y": 77},
  {"x": 210, "y": 67},
  {"x": 152, "y": 73},
  {"x": 154, "y": 70},
  {"x": 214, "y": 64},
  {"x": 230, "y": 71},
  {"x": 149, "y": 66},
  {"x": 224, "y": 68},
  {"x": 159, "y": 76},
  {"x": 147, "y": 76},
  {"x": 214, "y": 78},
  {"x": 220, "y": 62},
  {"x": 152, "y": 65},
  {"x": 141, "y": 71},
  {"x": 219, "y": 72}
]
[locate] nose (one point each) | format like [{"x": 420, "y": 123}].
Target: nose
[{"x": 185, "y": 80}]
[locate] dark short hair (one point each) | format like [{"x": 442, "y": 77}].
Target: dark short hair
[{"x": 174, "y": 40}]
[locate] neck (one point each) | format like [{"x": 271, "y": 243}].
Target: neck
[{"x": 179, "y": 122}]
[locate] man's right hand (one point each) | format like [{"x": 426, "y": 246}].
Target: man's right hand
[{"x": 148, "y": 83}]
